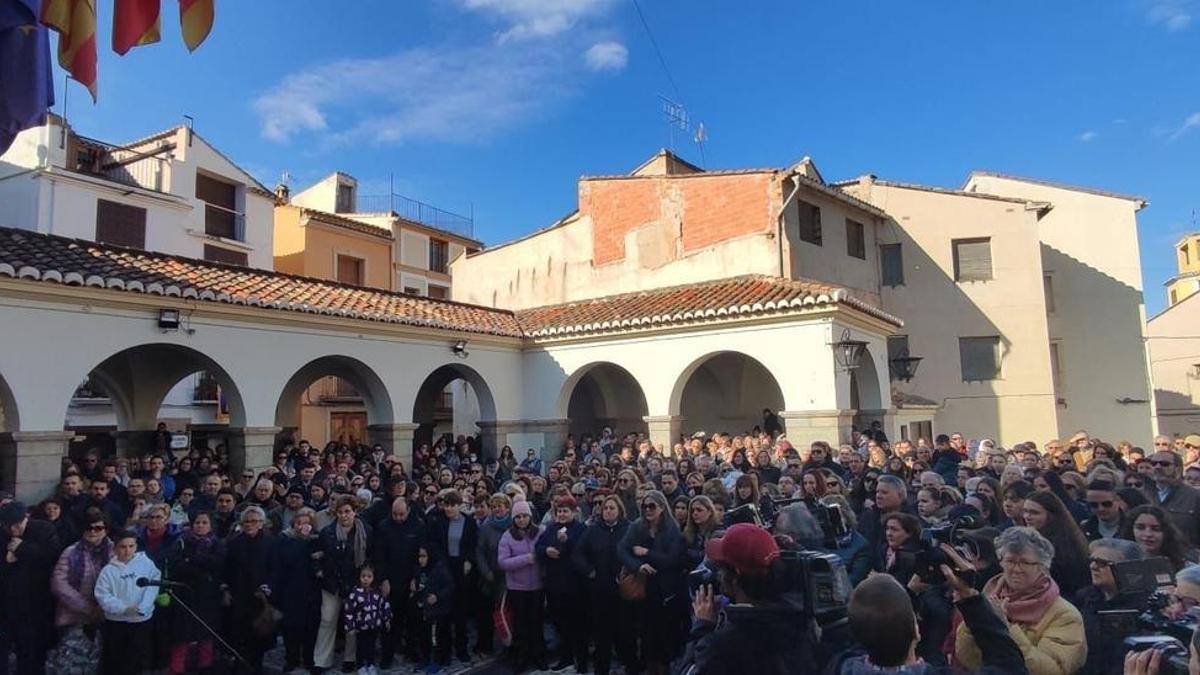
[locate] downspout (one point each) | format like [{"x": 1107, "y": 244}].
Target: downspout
[{"x": 779, "y": 217}]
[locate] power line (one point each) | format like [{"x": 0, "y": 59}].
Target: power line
[{"x": 658, "y": 52}]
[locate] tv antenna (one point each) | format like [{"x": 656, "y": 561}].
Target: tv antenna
[
  {"x": 700, "y": 137},
  {"x": 676, "y": 117}
]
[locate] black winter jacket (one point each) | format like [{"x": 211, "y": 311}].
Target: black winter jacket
[
  {"x": 747, "y": 639},
  {"x": 595, "y": 556},
  {"x": 395, "y": 551},
  {"x": 558, "y": 574}
]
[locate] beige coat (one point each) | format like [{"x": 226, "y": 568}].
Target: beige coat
[{"x": 1053, "y": 646}]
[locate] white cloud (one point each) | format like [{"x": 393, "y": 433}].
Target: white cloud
[
  {"x": 1174, "y": 15},
  {"x": 1087, "y": 136},
  {"x": 449, "y": 95},
  {"x": 539, "y": 18},
  {"x": 606, "y": 56},
  {"x": 1190, "y": 122}
]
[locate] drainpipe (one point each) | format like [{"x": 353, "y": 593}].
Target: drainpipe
[{"x": 779, "y": 216}]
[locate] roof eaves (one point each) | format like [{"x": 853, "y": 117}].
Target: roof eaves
[
  {"x": 552, "y": 226},
  {"x": 1141, "y": 201},
  {"x": 952, "y": 191}
]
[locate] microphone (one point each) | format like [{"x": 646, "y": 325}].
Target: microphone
[{"x": 143, "y": 582}]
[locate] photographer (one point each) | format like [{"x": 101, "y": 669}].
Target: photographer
[
  {"x": 884, "y": 624},
  {"x": 757, "y": 633},
  {"x": 1150, "y": 662}
]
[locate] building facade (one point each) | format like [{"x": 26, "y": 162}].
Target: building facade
[{"x": 1173, "y": 336}]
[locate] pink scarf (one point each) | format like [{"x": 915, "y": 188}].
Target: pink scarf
[{"x": 1028, "y": 606}]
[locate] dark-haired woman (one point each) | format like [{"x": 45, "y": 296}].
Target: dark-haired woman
[
  {"x": 1152, "y": 529},
  {"x": 195, "y": 559},
  {"x": 746, "y": 491},
  {"x": 296, "y": 591},
  {"x": 73, "y": 581},
  {"x": 654, "y": 548},
  {"x": 595, "y": 559},
  {"x": 1047, "y": 514}
]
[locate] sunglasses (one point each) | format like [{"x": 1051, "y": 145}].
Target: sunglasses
[
  {"x": 649, "y": 506},
  {"x": 1161, "y": 463},
  {"x": 1104, "y": 504},
  {"x": 1100, "y": 562},
  {"x": 96, "y": 528}
]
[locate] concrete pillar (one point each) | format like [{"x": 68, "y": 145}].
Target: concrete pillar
[
  {"x": 251, "y": 448},
  {"x": 31, "y": 462},
  {"x": 805, "y": 426},
  {"x": 663, "y": 430},
  {"x": 396, "y": 439},
  {"x": 133, "y": 442},
  {"x": 546, "y": 436}
]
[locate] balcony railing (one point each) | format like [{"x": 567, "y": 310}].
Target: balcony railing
[
  {"x": 418, "y": 212},
  {"x": 143, "y": 168},
  {"x": 222, "y": 222}
]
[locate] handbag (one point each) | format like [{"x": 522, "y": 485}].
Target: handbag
[
  {"x": 630, "y": 585},
  {"x": 502, "y": 620},
  {"x": 266, "y": 622}
]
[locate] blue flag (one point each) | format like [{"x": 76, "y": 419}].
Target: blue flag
[{"x": 26, "y": 78}]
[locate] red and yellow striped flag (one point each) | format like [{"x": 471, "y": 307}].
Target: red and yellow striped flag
[
  {"x": 135, "y": 23},
  {"x": 196, "y": 20},
  {"x": 75, "y": 22}
]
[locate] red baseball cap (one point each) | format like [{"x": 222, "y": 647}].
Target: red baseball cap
[{"x": 748, "y": 549}]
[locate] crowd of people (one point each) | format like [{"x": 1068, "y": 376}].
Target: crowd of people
[{"x": 579, "y": 561}]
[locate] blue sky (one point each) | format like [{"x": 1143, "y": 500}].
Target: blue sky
[{"x": 501, "y": 105}]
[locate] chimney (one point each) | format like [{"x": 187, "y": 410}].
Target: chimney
[{"x": 282, "y": 194}]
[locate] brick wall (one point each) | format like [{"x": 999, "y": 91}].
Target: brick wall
[{"x": 707, "y": 209}]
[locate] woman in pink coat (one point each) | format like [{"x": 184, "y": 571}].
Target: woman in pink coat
[{"x": 516, "y": 556}]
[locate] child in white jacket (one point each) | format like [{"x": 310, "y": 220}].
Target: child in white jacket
[{"x": 127, "y": 607}]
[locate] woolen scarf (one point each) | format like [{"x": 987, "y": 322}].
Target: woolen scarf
[
  {"x": 359, "y": 543},
  {"x": 100, "y": 554},
  {"x": 1028, "y": 606}
]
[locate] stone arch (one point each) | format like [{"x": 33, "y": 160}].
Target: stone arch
[
  {"x": 10, "y": 417},
  {"x": 602, "y": 393},
  {"x": 425, "y": 404},
  {"x": 375, "y": 396},
  {"x": 866, "y": 394},
  {"x": 137, "y": 379},
  {"x": 724, "y": 391}
]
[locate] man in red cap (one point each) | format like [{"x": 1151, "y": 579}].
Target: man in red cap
[{"x": 757, "y": 632}]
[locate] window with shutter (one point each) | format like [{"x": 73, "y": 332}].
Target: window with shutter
[
  {"x": 120, "y": 224},
  {"x": 891, "y": 261},
  {"x": 220, "y": 206},
  {"x": 345, "y": 199},
  {"x": 439, "y": 292},
  {"x": 972, "y": 259},
  {"x": 856, "y": 239},
  {"x": 809, "y": 221},
  {"x": 224, "y": 255},
  {"x": 439, "y": 255},
  {"x": 350, "y": 270},
  {"x": 980, "y": 358}
]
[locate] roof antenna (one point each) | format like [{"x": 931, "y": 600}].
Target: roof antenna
[
  {"x": 676, "y": 117},
  {"x": 700, "y": 137}
]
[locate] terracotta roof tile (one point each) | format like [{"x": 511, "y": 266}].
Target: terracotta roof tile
[
  {"x": 737, "y": 296},
  {"x": 43, "y": 257},
  {"x": 51, "y": 258}
]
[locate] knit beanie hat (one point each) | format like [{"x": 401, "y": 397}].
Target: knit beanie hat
[{"x": 521, "y": 507}]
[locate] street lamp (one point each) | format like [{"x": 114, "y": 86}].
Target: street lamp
[
  {"x": 903, "y": 366},
  {"x": 848, "y": 353}
]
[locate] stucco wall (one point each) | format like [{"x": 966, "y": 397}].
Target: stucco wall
[
  {"x": 1090, "y": 249},
  {"x": 1174, "y": 348},
  {"x": 830, "y": 263},
  {"x": 937, "y": 310}
]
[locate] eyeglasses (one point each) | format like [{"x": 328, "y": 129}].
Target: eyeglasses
[
  {"x": 1107, "y": 504},
  {"x": 247, "y": 475},
  {"x": 1161, "y": 462},
  {"x": 649, "y": 506},
  {"x": 1100, "y": 562},
  {"x": 1135, "y": 484},
  {"x": 1022, "y": 564},
  {"x": 832, "y": 484},
  {"x": 1162, "y": 444}
]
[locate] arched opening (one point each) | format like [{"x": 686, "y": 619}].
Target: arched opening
[
  {"x": 333, "y": 398},
  {"x": 727, "y": 392},
  {"x": 10, "y": 421},
  {"x": 866, "y": 398},
  {"x": 451, "y": 402},
  {"x": 120, "y": 403},
  {"x": 603, "y": 395}
]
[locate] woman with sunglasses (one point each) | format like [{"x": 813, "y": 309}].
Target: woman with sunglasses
[
  {"x": 73, "y": 581},
  {"x": 596, "y": 560},
  {"x": 1156, "y": 534},
  {"x": 654, "y": 549},
  {"x": 626, "y": 489},
  {"x": 1105, "y": 655}
]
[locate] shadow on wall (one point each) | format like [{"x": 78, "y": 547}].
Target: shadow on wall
[
  {"x": 728, "y": 393},
  {"x": 971, "y": 408},
  {"x": 1178, "y": 414},
  {"x": 1101, "y": 324},
  {"x": 607, "y": 395}
]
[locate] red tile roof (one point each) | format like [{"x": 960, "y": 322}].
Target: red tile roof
[
  {"x": 750, "y": 295},
  {"x": 51, "y": 258},
  {"x": 30, "y": 255}
]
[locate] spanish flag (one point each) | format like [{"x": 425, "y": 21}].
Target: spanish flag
[
  {"x": 135, "y": 23},
  {"x": 196, "y": 20},
  {"x": 75, "y": 22}
]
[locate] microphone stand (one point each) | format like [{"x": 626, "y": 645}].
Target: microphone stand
[{"x": 211, "y": 631}]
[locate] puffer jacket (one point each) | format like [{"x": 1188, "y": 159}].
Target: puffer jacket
[
  {"x": 595, "y": 556},
  {"x": 1053, "y": 646},
  {"x": 75, "y": 606},
  {"x": 518, "y": 560}
]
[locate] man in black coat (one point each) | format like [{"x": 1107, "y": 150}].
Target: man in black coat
[
  {"x": 30, "y": 549},
  {"x": 1178, "y": 499},
  {"x": 395, "y": 555},
  {"x": 100, "y": 498}
]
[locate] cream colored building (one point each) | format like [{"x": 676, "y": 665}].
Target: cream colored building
[
  {"x": 1174, "y": 346},
  {"x": 996, "y": 282}
]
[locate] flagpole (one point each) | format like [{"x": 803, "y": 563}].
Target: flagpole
[{"x": 62, "y": 136}]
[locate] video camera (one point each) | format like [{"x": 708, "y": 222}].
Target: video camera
[
  {"x": 931, "y": 557},
  {"x": 1147, "y": 627},
  {"x": 813, "y": 583}
]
